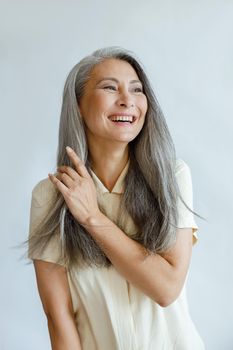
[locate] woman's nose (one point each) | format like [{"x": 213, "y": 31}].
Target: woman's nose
[{"x": 125, "y": 100}]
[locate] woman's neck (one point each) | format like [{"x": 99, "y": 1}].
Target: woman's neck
[{"x": 108, "y": 163}]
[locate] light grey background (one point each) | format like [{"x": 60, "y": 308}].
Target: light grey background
[{"x": 186, "y": 47}]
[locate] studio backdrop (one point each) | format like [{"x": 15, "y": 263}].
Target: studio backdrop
[{"x": 187, "y": 49}]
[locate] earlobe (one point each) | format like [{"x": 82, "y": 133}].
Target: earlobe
[
  {"x": 79, "y": 111},
  {"x": 78, "y": 108}
]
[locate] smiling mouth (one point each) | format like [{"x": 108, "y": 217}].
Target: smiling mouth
[{"x": 123, "y": 119}]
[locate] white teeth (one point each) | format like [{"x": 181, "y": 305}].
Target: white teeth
[{"x": 122, "y": 118}]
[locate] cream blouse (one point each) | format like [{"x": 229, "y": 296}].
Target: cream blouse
[{"x": 110, "y": 313}]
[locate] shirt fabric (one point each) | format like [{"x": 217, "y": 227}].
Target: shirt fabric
[{"x": 110, "y": 313}]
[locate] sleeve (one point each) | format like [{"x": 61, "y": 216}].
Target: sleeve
[
  {"x": 184, "y": 181},
  {"x": 42, "y": 198}
]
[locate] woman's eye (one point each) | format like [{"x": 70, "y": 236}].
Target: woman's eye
[
  {"x": 114, "y": 88},
  {"x": 110, "y": 87},
  {"x": 138, "y": 89}
]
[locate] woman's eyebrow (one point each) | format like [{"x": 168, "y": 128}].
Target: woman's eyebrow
[{"x": 117, "y": 81}]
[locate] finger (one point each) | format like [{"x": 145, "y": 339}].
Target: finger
[
  {"x": 65, "y": 179},
  {"x": 70, "y": 171},
  {"x": 79, "y": 165},
  {"x": 60, "y": 186}
]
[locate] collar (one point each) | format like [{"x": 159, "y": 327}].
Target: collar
[{"x": 119, "y": 185}]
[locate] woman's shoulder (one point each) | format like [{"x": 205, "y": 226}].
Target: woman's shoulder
[
  {"x": 43, "y": 191},
  {"x": 181, "y": 166}
]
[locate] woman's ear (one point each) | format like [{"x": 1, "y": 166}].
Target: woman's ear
[{"x": 79, "y": 110}]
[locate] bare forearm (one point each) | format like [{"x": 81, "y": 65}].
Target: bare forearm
[
  {"x": 154, "y": 275},
  {"x": 64, "y": 336}
]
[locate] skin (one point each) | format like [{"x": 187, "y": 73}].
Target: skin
[
  {"x": 128, "y": 257},
  {"x": 159, "y": 276},
  {"x": 100, "y": 100},
  {"x": 108, "y": 141}
]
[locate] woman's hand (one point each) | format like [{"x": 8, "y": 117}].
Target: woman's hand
[{"x": 78, "y": 189}]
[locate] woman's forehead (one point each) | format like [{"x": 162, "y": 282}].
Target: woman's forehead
[{"x": 113, "y": 68}]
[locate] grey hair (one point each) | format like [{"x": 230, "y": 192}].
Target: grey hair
[{"x": 151, "y": 190}]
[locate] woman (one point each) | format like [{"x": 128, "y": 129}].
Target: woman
[{"x": 111, "y": 232}]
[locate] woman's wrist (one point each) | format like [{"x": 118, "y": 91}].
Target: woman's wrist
[{"x": 94, "y": 220}]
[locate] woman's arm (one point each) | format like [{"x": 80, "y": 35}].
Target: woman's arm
[
  {"x": 55, "y": 295},
  {"x": 160, "y": 276}
]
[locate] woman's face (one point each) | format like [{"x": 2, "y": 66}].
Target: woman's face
[{"x": 113, "y": 105}]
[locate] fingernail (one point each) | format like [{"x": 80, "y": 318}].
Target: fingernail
[{"x": 68, "y": 149}]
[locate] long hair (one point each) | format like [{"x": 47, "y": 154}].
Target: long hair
[{"x": 151, "y": 190}]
